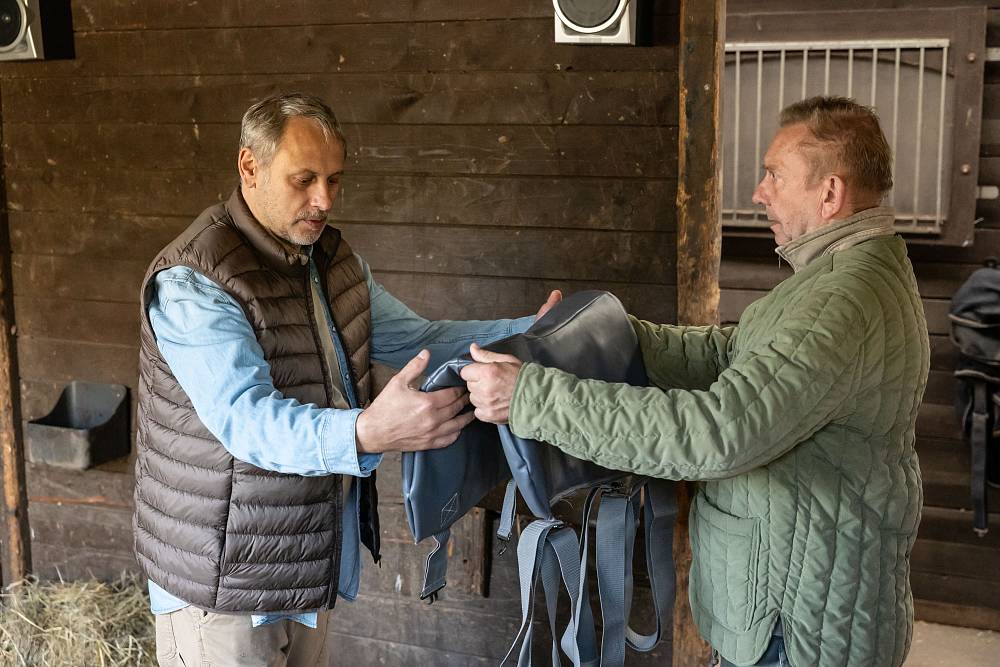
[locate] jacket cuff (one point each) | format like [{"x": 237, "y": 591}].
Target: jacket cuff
[{"x": 518, "y": 416}]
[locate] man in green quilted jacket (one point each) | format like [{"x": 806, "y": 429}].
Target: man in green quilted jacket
[{"x": 798, "y": 423}]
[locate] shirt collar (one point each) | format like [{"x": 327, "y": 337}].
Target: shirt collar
[
  {"x": 277, "y": 252},
  {"x": 838, "y": 235}
]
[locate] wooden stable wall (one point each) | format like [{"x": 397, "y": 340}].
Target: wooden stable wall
[
  {"x": 955, "y": 575},
  {"x": 486, "y": 166}
]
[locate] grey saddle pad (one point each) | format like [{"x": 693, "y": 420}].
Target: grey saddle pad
[{"x": 587, "y": 334}]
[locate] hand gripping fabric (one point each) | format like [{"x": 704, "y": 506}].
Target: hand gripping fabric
[{"x": 587, "y": 334}]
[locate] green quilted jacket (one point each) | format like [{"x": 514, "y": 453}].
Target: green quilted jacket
[{"x": 799, "y": 426}]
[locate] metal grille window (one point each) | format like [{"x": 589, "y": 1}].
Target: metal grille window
[{"x": 911, "y": 81}]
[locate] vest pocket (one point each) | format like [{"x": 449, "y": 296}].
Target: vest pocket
[{"x": 725, "y": 551}]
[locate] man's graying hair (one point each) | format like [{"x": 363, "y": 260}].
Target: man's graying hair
[
  {"x": 264, "y": 122},
  {"x": 847, "y": 140}
]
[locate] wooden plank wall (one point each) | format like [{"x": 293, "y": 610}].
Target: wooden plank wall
[
  {"x": 955, "y": 576},
  {"x": 487, "y": 165}
]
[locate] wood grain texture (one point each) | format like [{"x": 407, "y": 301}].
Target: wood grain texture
[
  {"x": 626, "y": 98},
  {"x": 97, "y": 488},
  {"x": 746, "y": 6},
  {"x": 935, "y": 280},
  {"x": 514, "y": 150},
  {"x": 954, "y": 589},
  {"x": 57, "y": 562},
  {"x": 926, "y": 257},
  {"x": 699, "y": 238},
  {"x": 950, "y": 613},
  {"x": 530, "y": 253},
  {"x": 938, "y": 421},
  {"x": 945, "y": 524},
  {"x": 16, "y": 545},
  {"x": 99, "y": 15},
  {"x": 65, "y": 361},
  {"x": 602, "y": 203},
  {"x": 519, "y": 45},
  {"x": 487, "y": 165}
]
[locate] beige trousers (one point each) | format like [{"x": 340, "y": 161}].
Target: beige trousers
[{"x": 190, "y": 637}]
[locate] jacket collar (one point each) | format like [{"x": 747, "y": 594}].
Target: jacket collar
[
  {"x": 838, "y": 235},
  {"x": 277, "y": 253}
]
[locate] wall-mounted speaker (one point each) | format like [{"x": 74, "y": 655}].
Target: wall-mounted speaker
[
  {"x": 35, "y": 29},
  {"x": 596, "y": 21}
]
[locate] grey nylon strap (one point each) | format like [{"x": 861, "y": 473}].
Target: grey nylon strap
[
  {"x": 579, "y": 641},
  {"x": 550, "y": 550},
  {"x": 550, "y": 585},
  {"x": 529, "y": 547},
  {"x": 584, "y": 618},
  {"x": 979, "y": 441},
  {"x": 506, "y": 523},
  {"x": 616, "y": 528},
  {"x": 659, "y": 515}
]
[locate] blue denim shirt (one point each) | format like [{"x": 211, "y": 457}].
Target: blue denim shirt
[{"x": 211, "y": 348}]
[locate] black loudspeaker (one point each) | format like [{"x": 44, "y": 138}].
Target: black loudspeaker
[{"x": 35, "y": 29}]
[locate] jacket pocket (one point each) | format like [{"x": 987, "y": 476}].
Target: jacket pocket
[{"x": 725, "y": 550}]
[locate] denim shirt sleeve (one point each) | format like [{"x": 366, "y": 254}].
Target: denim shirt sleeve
[
  {"x": 398, "y": 333},
  {"x": 208, "y": 343}
]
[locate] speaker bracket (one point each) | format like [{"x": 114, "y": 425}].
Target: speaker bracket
[{"x": 36, "y": 30}]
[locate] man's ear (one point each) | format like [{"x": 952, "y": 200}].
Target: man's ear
[
  {"x": 248, "y": 168},
  {"x": 834, "y": 201}
]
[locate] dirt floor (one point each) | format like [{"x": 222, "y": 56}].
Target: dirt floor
[{"x": 948, "y": 646}]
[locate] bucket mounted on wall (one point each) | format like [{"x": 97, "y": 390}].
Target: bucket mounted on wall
[{"x": 89, "y": 425}]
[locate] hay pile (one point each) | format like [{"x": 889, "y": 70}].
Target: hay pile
[{"x": 82, "y": 624}]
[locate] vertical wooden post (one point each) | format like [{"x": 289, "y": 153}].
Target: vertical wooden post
[
  {"x": 699, "y": 239},
  {"x": 16, "y": 537}
]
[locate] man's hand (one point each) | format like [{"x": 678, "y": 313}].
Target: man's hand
[
  {"x": 492, "y": 378},
  {"x": 403, "y": 418},
  {"x": 555, "y": 296}
]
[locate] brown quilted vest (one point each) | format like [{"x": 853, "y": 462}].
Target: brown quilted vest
[{"x": 210, "y": 529}]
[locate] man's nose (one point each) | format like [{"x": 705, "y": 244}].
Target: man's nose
[
  {"x": 322, "y": 197},
  {"x": 758, "y": 194}
]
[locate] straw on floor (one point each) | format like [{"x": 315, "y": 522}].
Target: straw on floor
[{"x": 91, "y": 623}]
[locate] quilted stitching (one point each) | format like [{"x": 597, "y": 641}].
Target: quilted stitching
[{"x": 808, "y": 429}]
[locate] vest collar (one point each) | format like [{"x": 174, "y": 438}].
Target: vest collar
[
  {"x": 277, "y": 253},
  {"x": 838, "y": 235}
]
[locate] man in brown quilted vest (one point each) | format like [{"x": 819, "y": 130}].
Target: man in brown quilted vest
[{"x": 258, "y": 434}]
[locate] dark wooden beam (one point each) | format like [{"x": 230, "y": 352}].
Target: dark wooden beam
[
  {"x": 699, "y": 233},
  {"x": 699, "y": 239},
  {"x": 16, "y": 537}
]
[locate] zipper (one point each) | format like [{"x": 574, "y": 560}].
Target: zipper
[
  {"x": 338, "y": 345},
  {"x": 352, "y": 401}
]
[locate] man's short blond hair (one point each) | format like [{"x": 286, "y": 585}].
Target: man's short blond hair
[{"x": 847, "y": 140}]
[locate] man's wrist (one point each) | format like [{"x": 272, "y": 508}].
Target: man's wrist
[
  {"x": 367, "y": 460},
  {"x": 364, "y": 439}
]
